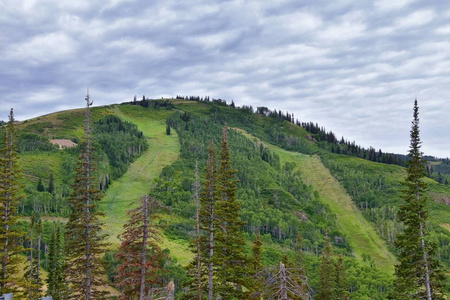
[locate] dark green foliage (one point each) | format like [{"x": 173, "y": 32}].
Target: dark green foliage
[
  {"x": 51, "y": 185},
  {"x": 10, "y": 235},
  {"x": 256, "y": 267},
  {"x": 154, "y": 103},
  {"x": 339, "y": 280},
  {"x": 121, "y": 141},
  {"x": 418, "y": 274},
  {"x": 85, "y": 242},
  {"x": 267, "y": 192},
  {"x": 110, "y": 263},
  {"x": 326, "y": 274},
  {"x": 56, "y": 285},
  {"x": 34, "y": 142},
  {"x": 40, "y": 186},
  {"x": 280, "y": 132},
  {"x": 139, "y": 256},
  {"x": 168, "y": 129},
  {"x": 232, "y": 276},
  {"x": 33, "y": 282}
]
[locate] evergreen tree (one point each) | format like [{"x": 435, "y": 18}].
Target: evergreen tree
[
  {"x": 56, "y": 286},
  {"x": 84, "y": 240},
  {"x": 39, "y": 229},
  {"x": 256, "y": 267},
  {"x": 340, "y": 280},
  {"x": 207, "y": 216},
  {"x": 256, "y": 260},
  {"x": 300, "y": 274},
  {"x": 51, "y": 185},
  {"x": 229, "y": 244},
  {"x": 40, "y": 185},
  {"x": 32, "y": 284},
  {"x": 195, "y": 269},
  {"x": 139, "y": 254},
  {"x": 52, "y": 258},
  {"x": 168, "y": 129},
  {"x": 418, "y": 274},
  {"x": 325, "y": 290},
  {"x": 10, "y": 236}
]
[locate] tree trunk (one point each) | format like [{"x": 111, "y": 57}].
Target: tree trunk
[
  {"x": 87, "y": 210},
  {"x": 283, "y": 283},
  {"x": 211, "y": 241},
  {"x": 144, "y": 250},
  {"x": 38, "y": 269},
  {"x": 199, "y": 261},
  {"x": 425, "y": 260}
]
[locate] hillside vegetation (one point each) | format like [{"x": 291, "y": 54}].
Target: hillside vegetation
[{"x": 288, "y": 185}]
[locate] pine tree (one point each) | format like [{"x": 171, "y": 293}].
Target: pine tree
[
  {"x": 418, "y": 274},
  {"x": 256, "y": 267},
  {"x": 52, "y": 260},
  {"x": 51, "y": 185},
  {"x": 229, "y": 245},
  {"x": 10, "y": 236},
  {"x": 40, "y": 186},
  {"x": 84, "y": 240},
  {"x": 139, "y": 253},
  {"x": 256, "y": 260},
  {"x": 300, "y": 274},
  {"x": 32, "y": 286},
  {"x": 325, "y": 290},
  {"x": 340, "y": 280},
  {"x": 55, "y": 281},
  {"x": 207, "y": 216},
  {"x": 195, "y": 270}
]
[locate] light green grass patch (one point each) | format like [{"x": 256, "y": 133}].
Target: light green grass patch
[{"x": 138, "y": 180}]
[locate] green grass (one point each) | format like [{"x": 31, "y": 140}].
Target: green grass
[
  {"x": 41, "y": 164},
  {"x": 138, "y": 180},
  {"x": 63, "y": 125},
  {"x": 359, "y": 232}
]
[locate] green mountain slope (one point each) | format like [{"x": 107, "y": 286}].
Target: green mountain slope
[
  {"x": 137, "y": 181},
  {"x": 288, "y": 185},
  {"x": 360, "y": 233}
]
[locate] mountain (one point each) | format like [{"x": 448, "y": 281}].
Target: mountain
[{"x": 293, "y": 179}]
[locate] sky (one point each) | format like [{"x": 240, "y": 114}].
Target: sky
[{"x": 354, "y": 67}]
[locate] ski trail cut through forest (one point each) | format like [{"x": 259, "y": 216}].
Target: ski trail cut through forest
[
  {"x": 137, "y": 181},
  {"x": 360, "y": 233}
]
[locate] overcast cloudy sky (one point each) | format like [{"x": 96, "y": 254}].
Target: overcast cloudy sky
[{"x": 354, "y": 67}]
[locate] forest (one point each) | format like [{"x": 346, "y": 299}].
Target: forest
[{"x": 217, "y": 202}]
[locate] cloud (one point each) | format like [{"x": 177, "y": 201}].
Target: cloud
[
  {"x": 353, "y": 66},
  {"x": 43, "y": 49},
  {"x": 416, "y": 19},
  {"x": 389, "y": 5}
]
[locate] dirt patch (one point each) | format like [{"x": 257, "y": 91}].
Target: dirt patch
[
  {"x": 440, "y": 198},
  {"x": 62, "y": 144}
]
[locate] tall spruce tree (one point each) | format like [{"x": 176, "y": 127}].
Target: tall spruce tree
[
  {"x": 418, "y": 274},
  {"x": 32, "y": 283},
  {"x": 10, "y": 236},
  {"x": 139, "y": 255},
  {"x": 52, "y": 259},
  {"x": 340, "y": 280},
  {"x": 325, "y": 290},
  {"x": 195, "y": 270},
  {"x": 232, "y": 277},
  {"x": 55, "y": 281},
  {"x": 206, "y": 218},
  {"x": 256, "y": 267},
  {"x": 84, "y": 239}
]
